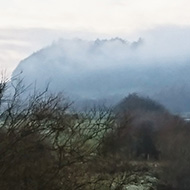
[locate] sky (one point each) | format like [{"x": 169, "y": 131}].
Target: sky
[{"x": 28, "y": 25}]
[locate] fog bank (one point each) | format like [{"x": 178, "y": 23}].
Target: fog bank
[{"x": 156, "y": 64}]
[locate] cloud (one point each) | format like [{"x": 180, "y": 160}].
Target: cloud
[
  {"x": 102, "y": 16},
  {"x": 115, "y": 67},
  {"x": 18, "y": 43},
  {"x": 168, "y": 41}
]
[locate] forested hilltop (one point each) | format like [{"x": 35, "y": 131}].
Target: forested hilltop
[{"x": 45, "y": 144}]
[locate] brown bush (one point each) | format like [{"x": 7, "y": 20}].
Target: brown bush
[{"x": 43, "y": 145}]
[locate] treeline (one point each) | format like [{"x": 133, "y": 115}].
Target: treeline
[{"x": 44, "y": 144}]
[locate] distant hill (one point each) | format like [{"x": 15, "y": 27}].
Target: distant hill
[
  {"x": 136, "y": 103},
  {"x": 89, "y": 71}
]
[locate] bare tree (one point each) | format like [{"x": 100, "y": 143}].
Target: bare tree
[{"x": 45, "y": 145}]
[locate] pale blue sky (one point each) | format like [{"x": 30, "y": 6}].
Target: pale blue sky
[{"x": 27, "y": 25}]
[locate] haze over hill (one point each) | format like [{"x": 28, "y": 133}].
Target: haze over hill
[{"x": 156, "y": 65}]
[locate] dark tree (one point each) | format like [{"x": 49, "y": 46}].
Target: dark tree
[{"x": 145, "y": 145}]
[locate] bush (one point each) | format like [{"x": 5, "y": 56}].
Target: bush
[{"x": 45, "y": 145}]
